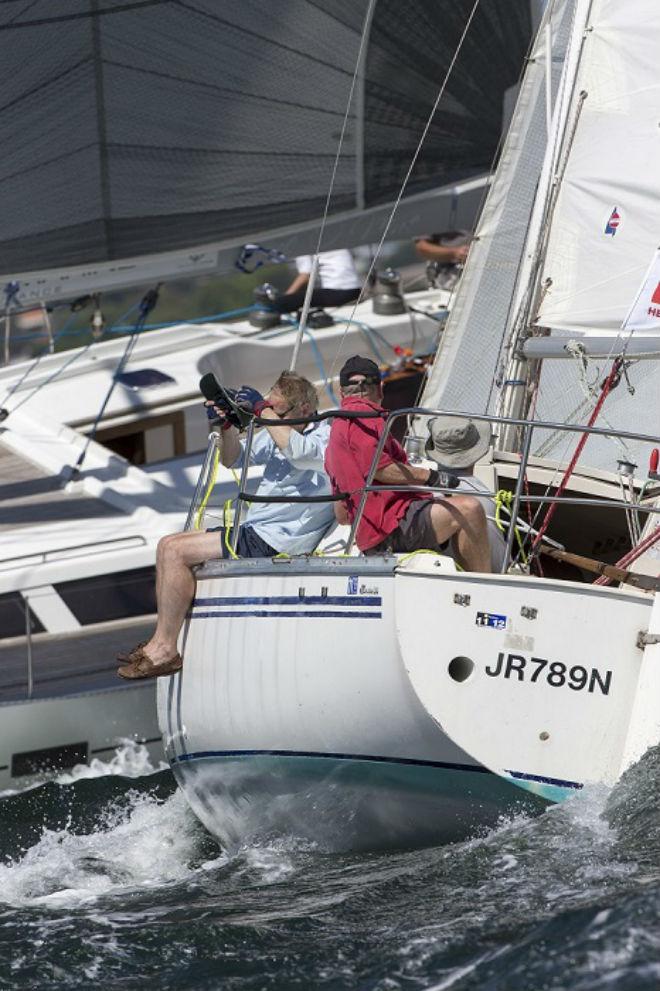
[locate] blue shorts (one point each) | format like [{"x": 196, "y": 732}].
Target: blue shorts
[{"x": 250, "y": 543}]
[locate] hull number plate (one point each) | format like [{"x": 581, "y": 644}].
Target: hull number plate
[{"x": 554, "y": 673}]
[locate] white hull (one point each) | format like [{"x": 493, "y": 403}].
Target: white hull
[
  {"x": 42, "y": 737},
  {"x": 302, "y": 707}
]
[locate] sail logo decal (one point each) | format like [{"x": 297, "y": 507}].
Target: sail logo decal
[
  {"x": 653, "y": 309},
  {"x": 612, "y": 225}
]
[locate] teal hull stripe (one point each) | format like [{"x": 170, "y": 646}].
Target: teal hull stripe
[
  {"x": 473, "y": 768},
  {"x": 521, "y": 776}
]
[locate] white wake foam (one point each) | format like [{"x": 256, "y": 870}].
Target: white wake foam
[
  {"x": 148, "y": 844},
  {"x": 130, "y": 760}
]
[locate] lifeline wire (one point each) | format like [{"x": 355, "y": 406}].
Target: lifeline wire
[{"x": 406, "y": 178}]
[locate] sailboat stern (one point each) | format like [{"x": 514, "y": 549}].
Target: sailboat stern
[
  {"x": 534, "y": 679},
  {"x": 294, "y": 716}
]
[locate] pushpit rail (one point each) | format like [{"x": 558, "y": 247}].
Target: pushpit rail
[{"x": 527, "y": 427}]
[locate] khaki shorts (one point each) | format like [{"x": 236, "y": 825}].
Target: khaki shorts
[{"x": 414, "y": 532}]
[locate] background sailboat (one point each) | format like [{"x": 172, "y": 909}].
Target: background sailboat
[{"x": 150, "y": 139}]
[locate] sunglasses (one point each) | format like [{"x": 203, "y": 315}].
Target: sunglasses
[{"x": 283, "y": 416}]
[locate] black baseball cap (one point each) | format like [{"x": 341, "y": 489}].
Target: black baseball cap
[{"x": 357, "y": 365}]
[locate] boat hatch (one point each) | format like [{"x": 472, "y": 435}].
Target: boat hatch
[{"x": 144, "y": 378}]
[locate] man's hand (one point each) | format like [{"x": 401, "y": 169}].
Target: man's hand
[
  {"x": 251, "y": 400},
  {"x": 217, "y": 415},
  {"x": 341, "y": 513}
]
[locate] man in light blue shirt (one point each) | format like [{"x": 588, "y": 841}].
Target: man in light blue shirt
[
  {"x": 292, "y": 457},
  {"x": 293, "y": 465}
]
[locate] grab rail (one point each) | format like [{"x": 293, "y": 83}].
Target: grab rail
[{"x": 529, "y": 426}]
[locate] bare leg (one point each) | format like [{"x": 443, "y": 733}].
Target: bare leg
[
  {"x": 462, "y": 520},
  {"x": 175, "y": 586}
]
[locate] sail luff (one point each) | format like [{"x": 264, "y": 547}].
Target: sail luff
[{"x": 468, "y": 358}]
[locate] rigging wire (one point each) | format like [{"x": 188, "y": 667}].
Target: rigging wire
[
  {"x": 58, "y": 371},
  {"x": 610, "y": 383},
  {"x": 145, "y": 306},
  {"x": 46, "y": 350},
  {"x": 406, "y": 179},
  {"x": 312, "y": 277}
]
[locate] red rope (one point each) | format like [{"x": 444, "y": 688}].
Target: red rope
[
  {"x": 610, "y": 383},
  {"x": 633, "y": 554}
]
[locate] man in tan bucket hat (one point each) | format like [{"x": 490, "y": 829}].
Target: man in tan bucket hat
[{"x": 456, "y": 444}]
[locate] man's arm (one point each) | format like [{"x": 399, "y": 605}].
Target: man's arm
[
  {"x": 230, "y": 447},
  {"x": 299, "y": 282},
  {"x": 398, "y": 473},
  {"x": 341, "y": 514},
  {"x": 280, "y": 434},
  {"x": 441, "y": 253},
  {"x": 304, "y": 451}
]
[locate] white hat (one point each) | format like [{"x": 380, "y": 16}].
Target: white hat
[{"x": 456, "y": 442}]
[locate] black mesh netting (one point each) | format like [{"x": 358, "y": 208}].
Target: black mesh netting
[{"x": 136, "y": 126}]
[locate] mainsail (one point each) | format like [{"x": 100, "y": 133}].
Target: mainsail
[
  {"x": 605, "y": 230},
  {"x": 142, "y": 128}
]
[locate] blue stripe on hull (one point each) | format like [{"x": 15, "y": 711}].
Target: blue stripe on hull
[
  {"x": 412, "y": 761},
  {"x": 290, "y": 600},
  {"x": 305, "y": 614}
]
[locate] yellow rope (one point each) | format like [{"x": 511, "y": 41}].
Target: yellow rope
[
  {"x": 209, "y": 489},
  {"x": 226, "y": 509},
  {"x": 504, "y": 500},
  {"x": 407, "y": 557}
]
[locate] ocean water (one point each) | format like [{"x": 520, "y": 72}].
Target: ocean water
[{"x": 107, "y": 881}]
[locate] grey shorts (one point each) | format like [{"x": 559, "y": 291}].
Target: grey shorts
[{"x": 414, "y": 532}]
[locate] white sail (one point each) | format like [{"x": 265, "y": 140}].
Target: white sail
[
  {"x": 604, "y": 232},
  {"x": 606, "y": 222},
  {"x": 463, "y": 374}
]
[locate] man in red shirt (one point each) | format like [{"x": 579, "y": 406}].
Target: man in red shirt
[{"x": 395, "y": 521}]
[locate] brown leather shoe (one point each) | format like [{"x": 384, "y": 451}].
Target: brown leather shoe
[
  {"x": 143, "y": 667},
  {"x": 130, "y": 655}
]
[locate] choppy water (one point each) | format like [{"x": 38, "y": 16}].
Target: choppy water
[{"x": 107, "y": 881}]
